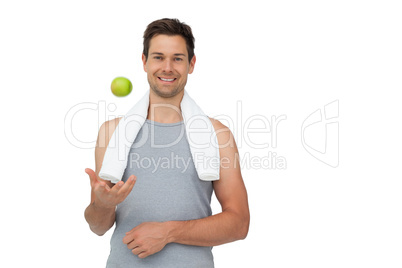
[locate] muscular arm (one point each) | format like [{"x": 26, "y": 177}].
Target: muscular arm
[
  {"x": 233, "y": 222},
  {"x": 101, "y": 215},
  {"x": 100, "y": 219},
  {"x": 229, "y": 225}
]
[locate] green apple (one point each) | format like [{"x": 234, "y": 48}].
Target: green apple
[{"x": 121, "y": 86}]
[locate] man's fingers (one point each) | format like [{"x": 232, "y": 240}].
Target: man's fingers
[
  {"x": 92, "y": 176},
  {"x": 143, "y": 255},
  {"x": 121, "y": 188},
  {"x": 127, "y": 239},
  {"x": 137, "y": 251},
  {"x": 105, "y": 186},
  {"x": 117, "y": 187},
  {"x": 101, "y": 188},
  {"x": 128, "y": 186},
  {"x": 132, "y": 245}
]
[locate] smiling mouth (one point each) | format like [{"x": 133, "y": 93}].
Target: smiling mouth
[{"x": 167, "y": 79}]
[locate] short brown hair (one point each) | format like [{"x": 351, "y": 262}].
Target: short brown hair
[{"x": 169, "y": 27}]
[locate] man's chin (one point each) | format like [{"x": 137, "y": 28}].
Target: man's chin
[{"x": 166, "y": 93}]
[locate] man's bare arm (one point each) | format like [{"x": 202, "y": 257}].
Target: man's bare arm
[
  {"x": 233, "y": 222},
  {"x": 229, "y": 225},
  {"x": 100, "y": 214}
]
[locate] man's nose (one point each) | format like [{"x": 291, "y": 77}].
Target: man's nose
[{"x": 167, "y": 66}]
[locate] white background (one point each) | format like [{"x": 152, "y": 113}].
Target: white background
[{"x": 276, "y": 57}]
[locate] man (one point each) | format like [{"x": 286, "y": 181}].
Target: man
[{"x": 163, "y": 215}]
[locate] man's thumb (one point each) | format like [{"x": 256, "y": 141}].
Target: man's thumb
[{"x": 92, "y": 175}]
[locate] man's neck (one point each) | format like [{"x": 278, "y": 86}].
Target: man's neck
[{"x": 165, "y": 110}]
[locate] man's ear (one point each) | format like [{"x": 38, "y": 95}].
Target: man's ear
[
  {"x": 192, "y": 63},
  {"x": 144, "y": 62}
]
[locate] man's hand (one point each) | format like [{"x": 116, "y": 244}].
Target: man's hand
[
  {"x": 147, "y": 238},
  {"x": 107, "y": 197}
]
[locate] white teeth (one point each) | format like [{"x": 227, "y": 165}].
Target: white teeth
[{"x": 167, "y": 80}]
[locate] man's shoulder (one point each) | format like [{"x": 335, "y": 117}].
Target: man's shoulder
[
  {"x": 223, "y": 133},
  {"x": 113, "y": 122},
  {"x": 217, "y": 124},
  {"x": 110, "y": 125},
  {"x": 106, "y": 131}
]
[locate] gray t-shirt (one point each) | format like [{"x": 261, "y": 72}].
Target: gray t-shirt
[{"x": 167, "y": 188}]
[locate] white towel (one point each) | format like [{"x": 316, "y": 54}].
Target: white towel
[{"x": 200, "y": 135}]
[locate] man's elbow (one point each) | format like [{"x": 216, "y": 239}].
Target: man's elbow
[
  {"x": 243, "y": 228},
  {"x": 97, "y": 231},
  {"x": 244, "y": 232}
]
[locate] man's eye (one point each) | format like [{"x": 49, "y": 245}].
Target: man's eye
[
  {"x": 157, "y": 58},
  {"x": 179, "y": 59}
]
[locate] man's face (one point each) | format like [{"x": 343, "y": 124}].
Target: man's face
[{"x": 167, "y": 65}]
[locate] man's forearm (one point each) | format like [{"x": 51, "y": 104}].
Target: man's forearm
[
  {"x": 100, "y": 219},
  {"x": 215, "y": 230}
]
